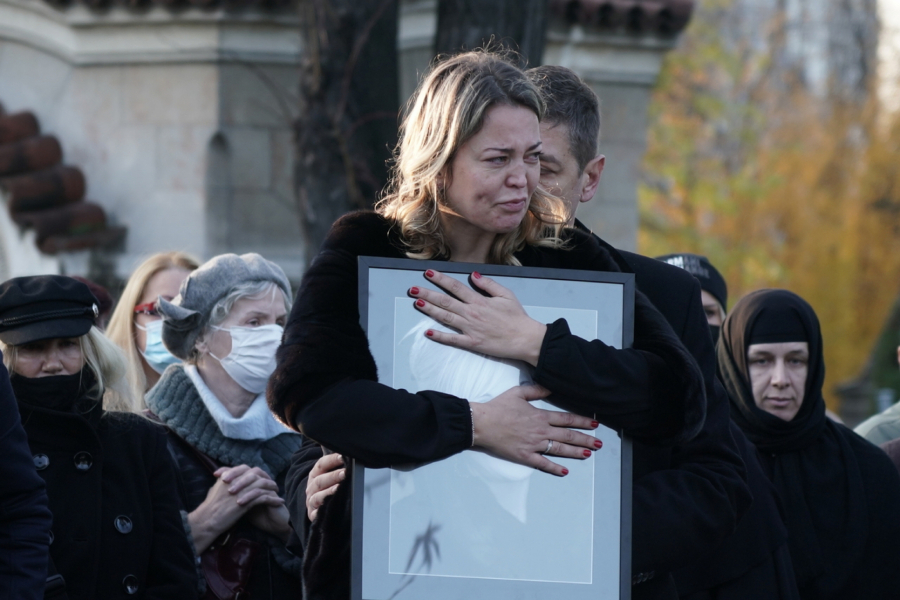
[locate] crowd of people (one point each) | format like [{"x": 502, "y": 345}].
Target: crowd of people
[{"x": 202, "y": 445}]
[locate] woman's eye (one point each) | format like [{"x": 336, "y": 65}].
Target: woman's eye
[
  {"x": 497, "y": 160},
  {"x": 536, "y": 157}
]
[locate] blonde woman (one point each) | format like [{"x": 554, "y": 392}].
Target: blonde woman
[
  {"x": 465, "y": 189},
  {"x": 136, "y": 326},
  {"x": 117, "y": 529}
]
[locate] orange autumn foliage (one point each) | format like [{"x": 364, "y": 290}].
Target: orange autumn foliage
[{"x": 778, "y": 186}]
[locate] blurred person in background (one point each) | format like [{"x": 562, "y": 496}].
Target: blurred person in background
[
  {"x": 117, "y": 529},
  {"x": 24, "y": 516},
  {"x": 225, "y": 324},
  {"x": 693, "y": 499},
  {"x": 839, "y": 492},
  {"x": 883, "y": 427},
  {"x": 136, "y": 326},
  {"x": 104, "y": 301},
  {"x": 713, "y": 290}
]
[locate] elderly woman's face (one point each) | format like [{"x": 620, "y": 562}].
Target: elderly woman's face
[
  {"x": 778, "y": 376},
  {"x": 495, "y": 172},
  {"x": 46, "y": 358},
  {"x": 266, "y": 309}
]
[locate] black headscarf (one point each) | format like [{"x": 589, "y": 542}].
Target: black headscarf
[{"x": 814, "y": 463}]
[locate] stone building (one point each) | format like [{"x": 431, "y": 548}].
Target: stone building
[{"x": 176, "y": 118}]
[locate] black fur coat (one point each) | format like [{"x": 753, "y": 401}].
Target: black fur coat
[{"x": 326, "y": 386}]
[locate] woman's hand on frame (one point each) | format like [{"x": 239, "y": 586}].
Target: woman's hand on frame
[
  {"x": 323, "y": 480},
  {"x": 495, "y": 324},
  {"x": 510, "y": 427}
]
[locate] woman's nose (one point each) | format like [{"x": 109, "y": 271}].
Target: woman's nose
[
  {"x": 517, "y": 176},
  {"x": 779, "y": 374},
  {"x": 52, "y": 362}
]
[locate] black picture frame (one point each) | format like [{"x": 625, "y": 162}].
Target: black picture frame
[{"x": 383, "y": 284}]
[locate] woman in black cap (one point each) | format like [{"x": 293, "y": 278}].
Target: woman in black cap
[
  {"x": 839, "y": 492},
  {"x": 117, "y": 530}
]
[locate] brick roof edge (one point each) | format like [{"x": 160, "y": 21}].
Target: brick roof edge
[{"x": 657, "y": 17}]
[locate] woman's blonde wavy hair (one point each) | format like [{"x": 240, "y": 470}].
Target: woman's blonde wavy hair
[
  {"x": 106, "y": 361},
  {"x": 121, "y": 328},
  {"x": 447, "y": 109}
]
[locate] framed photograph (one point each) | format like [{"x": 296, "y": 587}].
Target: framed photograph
[{"x": 474, "y": 526}]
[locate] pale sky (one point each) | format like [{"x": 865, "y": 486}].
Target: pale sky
[{"x": 889, "y": 52}]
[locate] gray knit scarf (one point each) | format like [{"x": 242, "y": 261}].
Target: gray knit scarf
[{"x": 177, "y": 403}]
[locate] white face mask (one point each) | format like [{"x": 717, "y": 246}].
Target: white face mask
[{"x": 252, "y": 357}]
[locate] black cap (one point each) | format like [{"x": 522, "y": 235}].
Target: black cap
[
  {"x": 45, "y": 307},
  {"x": 699, "y": 266}
]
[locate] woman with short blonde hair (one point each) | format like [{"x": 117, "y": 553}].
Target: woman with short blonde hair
[{"x": 159, "y": 275}]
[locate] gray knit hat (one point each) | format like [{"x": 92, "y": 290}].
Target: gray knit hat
[{"x": 185, "y": 317}]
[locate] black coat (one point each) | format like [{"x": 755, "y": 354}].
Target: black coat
[
  {"x": 24, "y": 516},
  {"x": 840, "y": 493},
  {"x": 199, "y": 447},
  {"x": 325, "y": 384},
  {"x": 117, "y": 526},
  {"x": 688, "y": 498}
]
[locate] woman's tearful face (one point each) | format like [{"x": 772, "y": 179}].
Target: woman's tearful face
[{"x": 494, "y": 173}]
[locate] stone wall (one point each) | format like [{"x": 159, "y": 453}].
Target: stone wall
[{"x": 180, "y": 121}]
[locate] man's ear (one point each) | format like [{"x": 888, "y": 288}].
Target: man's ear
[{"x": 590, "y": 178}]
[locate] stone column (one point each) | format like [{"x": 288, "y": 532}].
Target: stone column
[
  {"x": 622, "y": 69},
  {"x": 180, "y": 120}
]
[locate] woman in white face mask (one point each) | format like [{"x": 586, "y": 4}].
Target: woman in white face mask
[
  {"x": 135, "y": 325},
  {"x": 226, "y": 324}
]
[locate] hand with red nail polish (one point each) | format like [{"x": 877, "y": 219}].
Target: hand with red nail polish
[
  {"x": 510, "y": 427},
  {"x": 489, "y": 319}
]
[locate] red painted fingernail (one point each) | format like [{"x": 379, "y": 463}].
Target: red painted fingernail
[
  {"x": 476, "y": 275},
  {"x": 586, "y": 453},
  {"x": 565, "y": 471},
  {"x": 414, "y": 291},
  {"x": 595, "y": 424},
  {"x": 598, "y": 444},
  {"x": 420, "y": 303},
  {"x": 429, "y": 273},
  {"x": 429, "y": 333}
]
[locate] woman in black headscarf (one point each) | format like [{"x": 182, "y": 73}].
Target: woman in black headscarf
[{"x": 841, "y": 494}]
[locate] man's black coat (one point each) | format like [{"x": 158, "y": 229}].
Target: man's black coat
[{"x": 687, "y": 498}]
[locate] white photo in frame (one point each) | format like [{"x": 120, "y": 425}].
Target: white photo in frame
[{"x": 474, "y": 525}]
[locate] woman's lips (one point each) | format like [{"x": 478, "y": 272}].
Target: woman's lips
[
  {"x": 779, "y": 402},
  {"x": 514, "y": 205}
]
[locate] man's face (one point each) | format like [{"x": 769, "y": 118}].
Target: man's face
[{"x": 560, "y": 174}]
